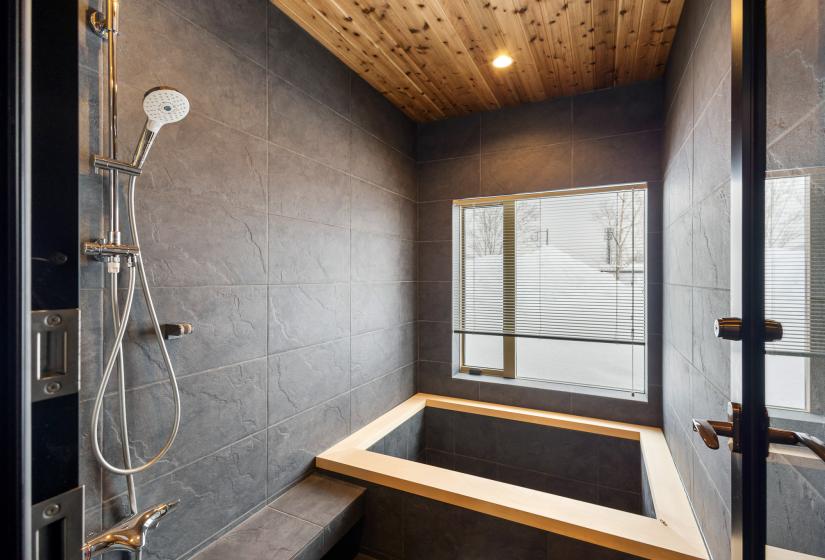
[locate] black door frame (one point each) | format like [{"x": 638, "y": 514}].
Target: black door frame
[
  {"x": 748, "y": 153},
  {"x": 40, "y": 219},
  {"x": 15, "y": 492}
]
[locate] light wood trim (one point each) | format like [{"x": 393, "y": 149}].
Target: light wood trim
[{"x": 672, "y": 535}]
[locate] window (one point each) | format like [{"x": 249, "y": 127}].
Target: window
[
  {"x": 551, "y": 286},
  {"x": 792, "y": 292}
]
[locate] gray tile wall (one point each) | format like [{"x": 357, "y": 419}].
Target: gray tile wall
[
  {"x": 402, "y": 526},
  {"x": 696, "y": 248},
  {"x": 796, "y": 145},
  {"x": 605, "y": 137},
  {"x": 578, "y": 465},
  {"x": 279, "y": 218}
]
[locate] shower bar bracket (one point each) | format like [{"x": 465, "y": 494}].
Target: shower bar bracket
[
  {"x": 100, "y": 163},
  {"x": 97, "y": 21}
]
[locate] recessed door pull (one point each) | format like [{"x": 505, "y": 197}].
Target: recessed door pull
[{"x": 730, "y": 328}]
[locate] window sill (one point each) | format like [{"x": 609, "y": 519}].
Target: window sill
[{"x": 555, "y": 387}]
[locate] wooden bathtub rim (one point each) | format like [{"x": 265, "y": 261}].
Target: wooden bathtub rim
[{"x": 674, "y": 533}]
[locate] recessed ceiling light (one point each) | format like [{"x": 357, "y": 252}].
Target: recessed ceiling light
[{"x": 502, "y": 61}]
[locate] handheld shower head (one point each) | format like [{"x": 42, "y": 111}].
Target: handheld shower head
[{"x": 162, "y": 105}]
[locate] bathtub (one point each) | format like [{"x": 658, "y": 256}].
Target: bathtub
[{"x": 589, "y": 485}]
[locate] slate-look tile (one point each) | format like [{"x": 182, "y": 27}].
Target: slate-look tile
[
  {"x": 302, "y": 188},
  {"x": 196, "y": 159},
  {"x": 188, "y": 241},
  {"x": 381, "y": 164},
  {"x": 244, "y": 27},
  {"x": 229, "y": 327},
  {"x": 381, "y": 258},
  {"x": 294, "y": 443},
  {"x": 448, "y": 138},
  {"x": 526, "y": 126},
  {"x": 470, "y": 534},
  {"x": 712, "y": 144},
  {"x": 617, "y": 159},
  {"x": 382, "y": 305},
  {"x": 219, "y": 82},
  {"x": 333, "y": 504},
  {"x": 595, "y": 114},
  {"x": 213, "y": 492},
  {"x": 373, "y": 112},
  {"x": 302, "y": 378},
  {"x": 435, "y": 341},
  {"x": 378, "y": 210},
  {"x": 435, "y": 221},
  {"x": 796, "y": 508},
  {"x": 435, "y": 301},
  {"x": 474, "y": 436},
  {"x": 439, "y": 429},
  {"x": 379, "y": 352},
  {"x": 301, "y": 251},
  {"x": 526, "y": 170},
  {"x": 711, "y": 240},
  {"x": 384, "y": 521},
  {"x": 307, "y": 314},
  {"x": 303, "y": 125},
  {"x": 377, "y": 397},
  {"x": 449, "y": 179},
  {"x": 620, "y": 464},
  {"x": 303, "y": 62},
  {"x": 437, "y": 378},
  {"x": 218, "y": 408},
  {"x": 268, "y": 534}
]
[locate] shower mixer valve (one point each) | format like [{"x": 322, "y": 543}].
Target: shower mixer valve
[{"x": 111, "y": 253}]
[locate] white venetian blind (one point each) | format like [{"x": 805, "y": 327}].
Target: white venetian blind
[
  {"x": 794, "y": 272},
  {"x": 562, "y": 265}
]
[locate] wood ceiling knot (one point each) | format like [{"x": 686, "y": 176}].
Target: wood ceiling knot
[{"x": 431, "y": 58}]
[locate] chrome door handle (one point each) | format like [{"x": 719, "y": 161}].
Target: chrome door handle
[{"x": 730, "y": 328}]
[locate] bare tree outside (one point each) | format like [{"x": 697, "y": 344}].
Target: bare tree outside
[
  {"x": 786, "y": 203},
  {"x": 619, "y": 218},
  {"x": 485, "y": 230}
]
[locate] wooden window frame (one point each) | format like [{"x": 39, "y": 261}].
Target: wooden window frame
[{"x": 508, "y": 203}]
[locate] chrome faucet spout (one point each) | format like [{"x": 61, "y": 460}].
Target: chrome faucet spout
[{"x": 129, "y": 534}]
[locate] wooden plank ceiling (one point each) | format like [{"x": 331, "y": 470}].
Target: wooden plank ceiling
[{"x": 431, "y": 58}]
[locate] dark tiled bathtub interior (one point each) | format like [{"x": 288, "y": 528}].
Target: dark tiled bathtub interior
[{"x": 583, "y": 466}]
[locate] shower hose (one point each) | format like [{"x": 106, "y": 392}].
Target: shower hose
[{"x": 115, "y": 358}]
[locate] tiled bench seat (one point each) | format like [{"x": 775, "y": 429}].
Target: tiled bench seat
[{"x": 302, "y": 524}]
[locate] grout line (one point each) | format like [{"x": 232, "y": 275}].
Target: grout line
[
  {"x": 268, "y": 264},
  {"x": 692, "y": 50},
  {"x": 217, "y": 37},
  {"x": 540, "y": 146}
]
